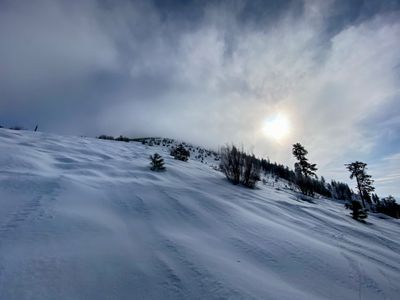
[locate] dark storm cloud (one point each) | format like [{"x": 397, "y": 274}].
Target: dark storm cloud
[{"x": 207, "y": 71}]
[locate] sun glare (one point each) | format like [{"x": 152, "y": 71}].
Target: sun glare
[{"x": 277, "y": 127}]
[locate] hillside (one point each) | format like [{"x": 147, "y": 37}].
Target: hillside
[{"x": 82, "y": 218}]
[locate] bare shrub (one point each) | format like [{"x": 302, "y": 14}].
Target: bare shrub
[{"x": 240, "y": 167}]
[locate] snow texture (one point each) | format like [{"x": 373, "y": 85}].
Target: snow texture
[{"x": 82, "y": 218}]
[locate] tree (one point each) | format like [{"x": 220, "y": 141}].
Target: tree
[
  {"x": 357, "y": 170},
  {"x": 231, "y": 163},
  {"x": 305, "y": 184},
  {"x": 122, "y": 138},
  {"x": 156, "y": 162},
  {"x": 306, "y": 168},
  {"x": 340, "y": 190},
  {"x": 251, "y": 171},
  {"x": 375, "y": 199},
  {"x": 358, "y": 212},
  {"x": 239, "y": 167},
  {"x": 106, "y": 137},
  {"x": 180, "y": 153},
  {"x": 388, "y": 206}
]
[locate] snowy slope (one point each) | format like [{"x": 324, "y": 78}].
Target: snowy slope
[{"x": 82, "y": 218}]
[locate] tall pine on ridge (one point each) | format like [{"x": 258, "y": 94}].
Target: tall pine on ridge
[
  {"x": 303, "y": 165},
  {"x": 357, "y": 170},
  {"x": 304, "y": 170}
]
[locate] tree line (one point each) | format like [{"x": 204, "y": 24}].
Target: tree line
[{"x": 242, "y": 168}]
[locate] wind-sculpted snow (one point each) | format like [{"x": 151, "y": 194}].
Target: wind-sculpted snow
[{"x": 82, "y": 218}]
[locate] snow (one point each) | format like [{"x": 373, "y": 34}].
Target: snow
[{"x": 82, "y": 218}]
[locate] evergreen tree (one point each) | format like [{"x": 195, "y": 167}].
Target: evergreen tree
[
  {"x": 388, "y": 206},
  {"x": 306, "y": 168},
  {"x": 340, "y": 190},
  {"x": 364, "y": 182},
  {"x": 305, "y": 184},
  {"x": 375, "y": 198},
  {"x": 156, "y": 162},
  {"x": 358, "y": 212},
  {"x": 180, "y": 153}
]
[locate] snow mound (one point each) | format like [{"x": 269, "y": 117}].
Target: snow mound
[{"x": 82, "y": 218}]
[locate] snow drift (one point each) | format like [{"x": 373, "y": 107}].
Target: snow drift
[{"x": 82, "y": 218}]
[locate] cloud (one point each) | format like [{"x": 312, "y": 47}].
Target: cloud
[
  {"x": 48, "y": 42},
  {"x": 207, "y": 72},
  {"x": 387, "y": 175}
]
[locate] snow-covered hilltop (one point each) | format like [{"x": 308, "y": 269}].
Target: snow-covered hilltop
[{"x": 83, "y": 218}]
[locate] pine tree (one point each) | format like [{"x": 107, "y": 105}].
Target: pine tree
[
  {"x": 364, "y": 182},
  {"x": 340, "y": 190},
  {"x": 388, "y": 206},
  {"x": 156, "y": 162},
  {"x": 306, "y": 168},
  {"x": 358, "y": 212},
  {"x": 180, "y": 153},
  {"x": 375, "y": 198}
]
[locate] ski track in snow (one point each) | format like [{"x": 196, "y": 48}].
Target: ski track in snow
[{"x": 82, "y": 218}]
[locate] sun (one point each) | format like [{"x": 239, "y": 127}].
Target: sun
[{"x": 277, "y": 127}]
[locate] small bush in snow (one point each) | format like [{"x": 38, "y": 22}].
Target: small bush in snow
[
  {"x": 122, "y": 138},
  {"x": 156, "y": 162},
  {"x": 106, "y": 137},
  {"x": 180, "y": 153},
  {"x": 358, "y": 212}
]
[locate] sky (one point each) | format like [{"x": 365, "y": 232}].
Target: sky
[{"x": 261, "y": 74}]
